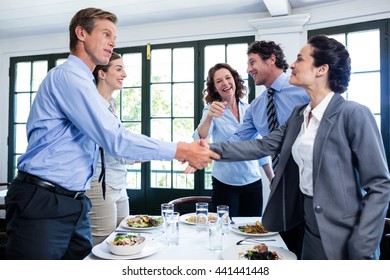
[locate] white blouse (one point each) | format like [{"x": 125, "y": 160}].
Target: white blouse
[{"x": 302, "y": 150}]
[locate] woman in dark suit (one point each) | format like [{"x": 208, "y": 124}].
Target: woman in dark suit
[{"x": 332, "y": 171}]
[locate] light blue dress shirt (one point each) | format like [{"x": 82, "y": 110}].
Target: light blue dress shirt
[
  {"x": 69, "y": 121},
  {"x": 221, "y": 129},
  {"x": 286, "y": 97}
]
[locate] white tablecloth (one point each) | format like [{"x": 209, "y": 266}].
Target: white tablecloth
[{"x": 195, "y": 246}]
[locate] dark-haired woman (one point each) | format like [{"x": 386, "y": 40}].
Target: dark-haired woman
[
  {"x": 237, "y": 184},
  {"x": 332, "y": 171}
]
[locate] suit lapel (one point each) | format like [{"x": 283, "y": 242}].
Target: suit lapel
[{"x": 323, "y": 132}]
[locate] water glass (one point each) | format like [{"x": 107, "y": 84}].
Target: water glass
[
  {"x": 172, "y": 228},
  {"x": 202, "y": 211},
  {"x": 215, "y": 234},
  {"x": 165, "y": 209},
  {"x": 223, "y": 214}
]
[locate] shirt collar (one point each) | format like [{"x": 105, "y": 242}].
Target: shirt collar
[
  {"x": 319, "y": 110},
  {"x": 277, "y": 85}
]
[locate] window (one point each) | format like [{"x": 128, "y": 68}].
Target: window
[
  {"x": 161, "y": 98},
  {"x": 369, "y": 85}
]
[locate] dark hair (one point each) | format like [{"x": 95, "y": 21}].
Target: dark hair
[
  {"x": 104, "y": 68},
  {"x": 87, "y": 18},
  {"x": 331, "y": 52},
  {"x": 211, "y": 94},
  {"x": 265, "y": 49}
]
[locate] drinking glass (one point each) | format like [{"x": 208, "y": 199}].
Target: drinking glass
[
  {"x": 166, "y": 208},
  {"x": 223, "y": 214},
  {"x": 215, "y": 233},
  {"x": 172, "y": 228},
  {"x": 202, "y": 211}
]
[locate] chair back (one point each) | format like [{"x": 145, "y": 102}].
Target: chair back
[{"x": 187, "y": 200}]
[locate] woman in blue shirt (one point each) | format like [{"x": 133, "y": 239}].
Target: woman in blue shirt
[{"x": 236, "y": 184}]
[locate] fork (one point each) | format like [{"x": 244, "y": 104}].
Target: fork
[{"x": 253, "y": 241}]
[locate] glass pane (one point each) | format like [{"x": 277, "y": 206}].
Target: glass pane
[
  {"x": 339, "y": 37},
  {"x": 358, "y": 44},
  {"x": 20, "y": 138},
  {"x": 213, "y": 55},
  {"x": 161, "y": 100},
  {"x": 23, "y": 76},
  {"x": 161, "y": 65},
  {"x": 237, "y": 58},
  {"x": 39, "y": 73},
  {"x": 183, "y": 181},
  {"x": 133, "y": 177},
  {"x": 60, "y": 61},
  {"x": 183, "y": 100},
  {"x": 22, "y": 107},
  {"x": 131, "y": 104},
  {"x": 161, "y": 129},
  {"x": 133, "y": 68},
  {"x": 365, "y": 89},
  {"x": 183, "y": 65},
  {"x": 182, "y": 130},
  {"x": 161, "y": 174}
]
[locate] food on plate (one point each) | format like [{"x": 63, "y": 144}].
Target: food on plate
[
  {"x": 129, "y": 239},
  {"x": 192, "y": 219},
  {"x": 126, "y": 244},
  {"x": 144, "y": 221},
  {"x": 257, "y": 228},
  {"x": 261, "y": 252}
]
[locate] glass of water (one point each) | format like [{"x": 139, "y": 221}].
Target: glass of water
[
  {"x": 202, "y": 211},
  {"x": 215, "y": 233},
  {"x": 172, "y": 228},
  {"x": 223, "y": 214},
  {"x": 166, "y": 209}
]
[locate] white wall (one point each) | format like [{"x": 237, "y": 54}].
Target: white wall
[{"x": 282, "y": 30}]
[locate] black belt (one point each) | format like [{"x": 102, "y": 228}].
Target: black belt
[{"x": 34, "y": 180}]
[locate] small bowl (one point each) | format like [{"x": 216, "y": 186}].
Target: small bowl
[{"x": 123, "y": 245}]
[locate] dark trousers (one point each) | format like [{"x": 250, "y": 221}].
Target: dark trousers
[
  {"x": 294, "y": 239},
  {"x": 243, "y": 201},
  {"x": 46, "y": 225}
]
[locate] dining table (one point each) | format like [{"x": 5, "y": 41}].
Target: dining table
[{"x": 194, "y": 244}]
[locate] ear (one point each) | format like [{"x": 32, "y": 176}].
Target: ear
[
  {"x": 272, "y": 59},
  {"x": 322, "y": 70},
  {"x": 101, "y": 74},
  {"x": 80, "y": 33}
]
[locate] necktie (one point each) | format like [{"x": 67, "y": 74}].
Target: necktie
[
  {"x": 272, "y": 121},
  {"x": 102, "y": 176}
]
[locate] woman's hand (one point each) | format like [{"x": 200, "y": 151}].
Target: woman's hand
[{"x": 217, "y": 109}]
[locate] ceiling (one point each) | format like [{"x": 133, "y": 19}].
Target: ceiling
[{"x": 23, "y": 18}]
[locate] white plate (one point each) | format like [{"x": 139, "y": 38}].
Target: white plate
[
  {"x": 238, "y": 252},
  {"x": 124, "y": 225},
  {"x": 151, "y": 247},
  {"x": 183, "y": 218},
  {"x": 234, "y": 228}
]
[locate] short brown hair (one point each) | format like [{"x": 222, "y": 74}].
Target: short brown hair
[{"x": 86, "y": 18}]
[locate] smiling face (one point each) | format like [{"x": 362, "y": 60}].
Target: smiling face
[
  {"x": 224, "y": 84},
  {"x": 259, "y": 69},
  {"x": 99, "y": 43},
  {"x": 303, "y": 72},
  {"x": 115, "y": 74}
]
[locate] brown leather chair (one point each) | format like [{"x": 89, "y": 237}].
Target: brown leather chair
[
  {"x": 187, "y": 200},
  {"x": 190, "y": 199}
]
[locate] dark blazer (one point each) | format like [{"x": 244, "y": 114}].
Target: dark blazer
[{"x": 351, "y": 183}]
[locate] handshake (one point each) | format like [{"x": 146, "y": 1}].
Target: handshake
[{"x": 197, "y": 154}]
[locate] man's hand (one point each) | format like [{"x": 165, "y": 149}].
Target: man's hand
[{"x": 196, "y": 154}]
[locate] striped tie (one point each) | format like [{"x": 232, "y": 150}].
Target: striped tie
[{"x": 272, "y": 121}]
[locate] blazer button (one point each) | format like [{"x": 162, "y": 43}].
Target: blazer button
[{"x": 318, "y": 209}]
